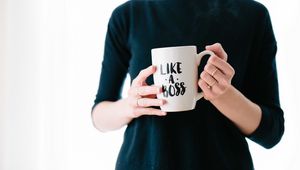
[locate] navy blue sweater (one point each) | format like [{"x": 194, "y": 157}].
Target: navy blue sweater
[{"x": 201, "y": 139}]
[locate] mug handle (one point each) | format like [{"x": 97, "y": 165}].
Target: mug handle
[{"x": 198, "y": 60}]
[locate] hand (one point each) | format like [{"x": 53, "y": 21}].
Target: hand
[
  {"x": 216, "y": 78},
  {"x": 142, "y": 96}
]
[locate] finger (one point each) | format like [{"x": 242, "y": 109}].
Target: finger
[
  {"x": 214, "y": 71},
  {"x": 205, "y": 88},
  {"x": 146, "y": 102},
  {"x": 218, "y": 89},
  {"x": 221, "y": 65},
  {"x": 148, "y": 111},
  {"x": 145, "y": 90},
  {"x": 208, "y": 78},
  {"x": 218, "y": 50},
  {"x": 143, "y": 75},
  {"x": 151, "y": 96},
  {"x": 217, "y": 74}
]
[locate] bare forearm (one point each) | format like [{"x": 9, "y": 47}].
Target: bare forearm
[
  {"x": 108, "y": 116},
  {"x": 240, "y": 110}
]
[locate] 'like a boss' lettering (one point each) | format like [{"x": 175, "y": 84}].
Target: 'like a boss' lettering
[{"x": 174, "y": 88}]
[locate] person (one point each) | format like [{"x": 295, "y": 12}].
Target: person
[{"x": 240, "y": 86}]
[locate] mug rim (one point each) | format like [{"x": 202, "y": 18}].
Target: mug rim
[{"x": 174, "y": 47}]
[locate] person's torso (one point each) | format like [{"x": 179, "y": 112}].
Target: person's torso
[{"x": 202, "y": 138}]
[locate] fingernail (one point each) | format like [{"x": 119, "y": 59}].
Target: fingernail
[
  {"x": 159, "y": 90},
  {"x": 163, "y": 113}
]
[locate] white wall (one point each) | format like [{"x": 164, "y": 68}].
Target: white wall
[
  {"x": 49, "y": 74},
  {"x": 19, "y": 83},
  {"x": 2, "y": 78},
  {"x": 50, "y": 58}
]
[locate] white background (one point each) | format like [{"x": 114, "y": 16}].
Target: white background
[{"x": 50, "y": 59}]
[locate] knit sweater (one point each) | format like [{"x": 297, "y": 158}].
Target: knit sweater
[{"x": 203, "y": 138}]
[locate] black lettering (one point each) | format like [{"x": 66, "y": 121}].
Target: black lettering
[
  {"x": 177, "y": 86},
  {"x": 165, "y": 92},
  {"x": 172, "y": 68},
  {"x": 171, "y": 91},
  {"x": 175, "y": 89},
  {"x": 168, "y": 68},
  {"x": 171, "y": 79},
  {"x": 183, "y": 88},
  {"x": 162, "y": 70},
  {"x": 179, "y": 71}
]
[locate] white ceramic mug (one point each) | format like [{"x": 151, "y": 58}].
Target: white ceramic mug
[{"x": 177, "y": 73}]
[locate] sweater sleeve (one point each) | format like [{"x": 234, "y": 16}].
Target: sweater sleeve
[
  {"x": 116, "y": 58},
  {"x": 261, "y": 86}
]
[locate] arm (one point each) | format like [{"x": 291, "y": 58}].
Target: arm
[
  {"x": 258, "y": 115},
  {"x": 233, "y": 103},
  {"x": 261, "y": 86},
  {"x": 109, "y": 116},
  {"x": 216, "y": 84},
  {"x": 110, "y": 112}
]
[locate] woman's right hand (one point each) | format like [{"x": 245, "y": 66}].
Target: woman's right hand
[{"x": 142, "y": 96}]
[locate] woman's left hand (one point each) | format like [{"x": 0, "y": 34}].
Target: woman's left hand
[{"x": 216, "y": 78}]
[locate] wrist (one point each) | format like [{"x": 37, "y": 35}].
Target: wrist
[
  {"x": 126, "y": 111},
  {"x": 230, "y": 91}
]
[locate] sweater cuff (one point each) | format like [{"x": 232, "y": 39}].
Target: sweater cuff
[{"x": 265, "y": 134}]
